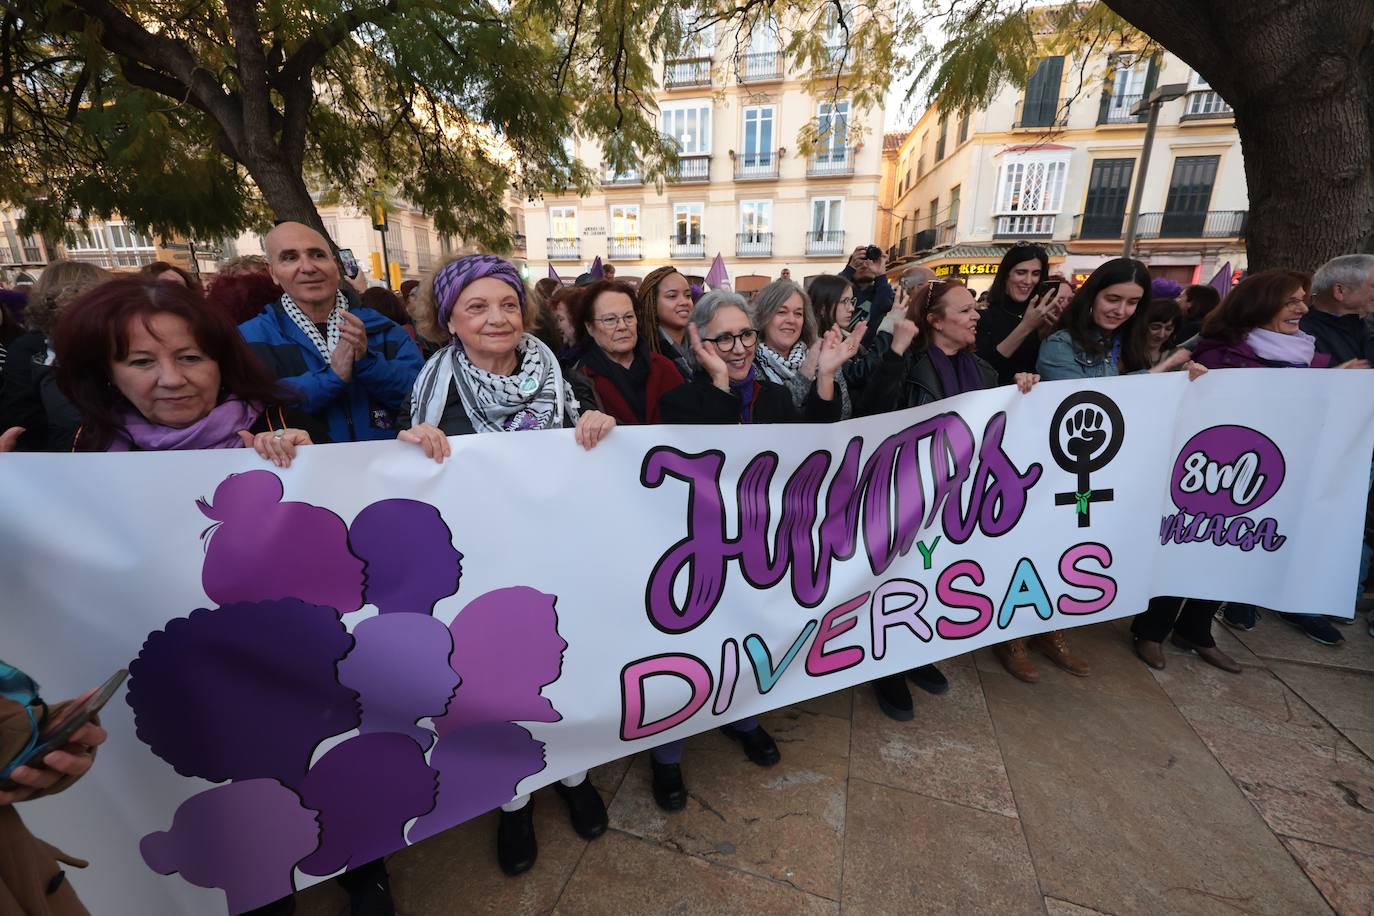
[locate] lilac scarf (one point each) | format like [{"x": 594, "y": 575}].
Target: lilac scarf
[
  {"x": 217, "y": 429},
  {"x": 1290, "y": 349},
  {"x": 958, "y": 373},
  {"x": 745, "y": 389}
]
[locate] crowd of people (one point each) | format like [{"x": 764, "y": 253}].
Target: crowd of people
[{"x": 279, "y": 354}]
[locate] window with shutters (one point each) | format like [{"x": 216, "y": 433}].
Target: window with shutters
[
  {"x": 1104, "y": 210},
  {"x": 1030, "y": 195},
  {"x": 1040, "y": 107},
  {"x": 963, "y": 126},
  {"x": 1190, "y": 193},
  {"x": 940, "y": 142}
]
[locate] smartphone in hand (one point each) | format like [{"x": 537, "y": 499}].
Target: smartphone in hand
[{"x": 58, "y": 732}]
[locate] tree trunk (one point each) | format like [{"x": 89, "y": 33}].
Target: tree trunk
[
  {"x": 285, "y": 192},
  {"x": 1299, "y": 76}
]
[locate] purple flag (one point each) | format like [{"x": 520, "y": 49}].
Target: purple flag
[
  {"x": 716, "y": 277},
  {"x": 1222, "y": 281},
  {"x": 553, "y": 275},
  {"x": 596, "y": 271}
]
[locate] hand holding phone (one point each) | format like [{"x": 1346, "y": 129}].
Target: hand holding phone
[{"x": 58, "y": 734}]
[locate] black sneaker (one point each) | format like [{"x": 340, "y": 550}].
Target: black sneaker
[
  {"x": 894, "y": 699},
  {"x": 669, "y": 790},
  {"x": 758, "y": 745},
  {"x": 516, "y": 848},
  {"x": 1315, "y": 627},
  {"x": 1239, "y": 616},
  {"x": 930, "y": 679},
  {"x": 585, "y": 808}
]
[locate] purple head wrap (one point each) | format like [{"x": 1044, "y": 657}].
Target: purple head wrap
[{"x": 454, "y": 277}]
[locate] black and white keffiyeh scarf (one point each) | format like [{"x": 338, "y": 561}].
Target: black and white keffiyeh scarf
[
  {"x": 325, "y": 344},
  {"x": 535, "y": 397},
  {"x": 778, "y": 368}
]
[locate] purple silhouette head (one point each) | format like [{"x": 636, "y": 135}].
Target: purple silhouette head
[
  {"x": 507, "y": 648},
  {"x": 244, "y": 837},
  {"x": 243, "y": 691},
  {"x": 366, "y": 790},
  {"x": 262, "y": 548},
  {"x": 411, "y": 562},
  {"x": 401, "y": 670}
]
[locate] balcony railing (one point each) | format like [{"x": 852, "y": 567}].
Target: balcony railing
[
  {"x": 1099, "y": 226},
  {"x": 1042, "y": 115},
  {"x": 756, "y": 166},
  {"x": 923, "y": 241},
  {"x": 565, "y": 249},
  {"x": 754, "y": 245},
  {"x": 518, "y": 242},
  {"x": 760, "y": 67},
  {"x": 1206, "y": 103},
  {"x": 1118, "y": 110},
  {"x": 945, "y": 233},
  {"x": 821, "y": 243},
  {"x": 625, "y": 247},
  {"x": 687, "y": 246},
  {"x": 835, "y": 160},
  {"x": 690, "y": 169},
  {"x": 632, "y": 177},
  {"x": 687, "y": 72},
  {"x": 1214, "y": 224},
  {"x": 1018, "y": 226},
  {"x": 111, "y": 259}
]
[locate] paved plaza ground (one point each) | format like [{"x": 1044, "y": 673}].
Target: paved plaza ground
[{"x": 1187, "y": 790}]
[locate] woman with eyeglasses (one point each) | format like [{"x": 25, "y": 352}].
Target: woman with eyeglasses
[
  {"x": 728, "y": 388},
  {"x": 618, "y": 374},
  {"x": 930, "y": 358}
]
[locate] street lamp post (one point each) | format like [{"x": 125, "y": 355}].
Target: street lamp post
[{"x": 1151, "y": 103}]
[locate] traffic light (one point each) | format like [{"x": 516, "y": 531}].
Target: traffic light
[
  {"x": 378, "y": 211},
  {"x": 375, "y": 262},
  {"x": 395, "y": 275}
]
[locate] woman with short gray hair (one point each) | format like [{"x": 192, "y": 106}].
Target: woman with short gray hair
[{"x": 787, "y": 334}]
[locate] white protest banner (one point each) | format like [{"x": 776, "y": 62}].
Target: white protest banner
[{"x": 331, "y": 661}]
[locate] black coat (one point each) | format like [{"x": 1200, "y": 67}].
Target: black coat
[
  {"x": 995, "y": 323},
  {"x": 1343, "y": 337},
  {"x": 31, "y": 398},
  {"x": 699, "y": 401},
  {"x": 909, "y": 380}
]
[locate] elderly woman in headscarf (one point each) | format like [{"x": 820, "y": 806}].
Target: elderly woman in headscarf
[{"x": 495, "y": 377}]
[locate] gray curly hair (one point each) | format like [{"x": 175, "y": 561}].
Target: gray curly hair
[
  {"x": 707, "y": 306},
  {"x": 61, "y": 282}
]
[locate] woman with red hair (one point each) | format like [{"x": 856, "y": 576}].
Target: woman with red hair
[{"x": 151, "y": 368}]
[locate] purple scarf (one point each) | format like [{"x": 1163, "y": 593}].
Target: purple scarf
[
  {"x": 217, "y": 429},
  {"x": 958, "y": 373},
  {"x": 745, "y": 389}
]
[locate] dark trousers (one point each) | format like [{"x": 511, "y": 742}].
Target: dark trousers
[
  {"x": 354, "y": 881},
  {"x": 1190, "y": 618}
]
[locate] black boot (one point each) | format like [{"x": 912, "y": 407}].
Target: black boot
[
  {"x": 894, "y": 699},
  {"x": 516, "y": 848},
  {"x": 585, "y": 808},
  {"x": 758, "y": 745},
  {"x": 369, "y": 890},
  {"x": 669, "y": 790},
  {"x": 930, "y": 679}
]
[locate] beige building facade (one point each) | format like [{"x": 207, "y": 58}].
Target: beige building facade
[
  {"x": 1057, "y": 165},
  {"x": 740, "y": 189}
]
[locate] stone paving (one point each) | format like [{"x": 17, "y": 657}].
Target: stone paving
[{"x": 1187, "y": 790}]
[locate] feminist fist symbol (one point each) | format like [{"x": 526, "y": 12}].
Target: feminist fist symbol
[{"x": 1086, "y": 434}]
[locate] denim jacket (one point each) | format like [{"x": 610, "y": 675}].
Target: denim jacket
[{"x": 1060, "y": 358}]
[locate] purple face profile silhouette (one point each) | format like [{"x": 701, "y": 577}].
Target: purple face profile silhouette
[
  {"x": 244, "y": 838},
  {"x": 507, "y": 648},
  {"x": 366, "y": 789},
  {"x": 401, "y": 670},
  {"x": 262, "y": 548},
  {"x": 411, "y": 562},
  {"x": 243, "y": 691}
]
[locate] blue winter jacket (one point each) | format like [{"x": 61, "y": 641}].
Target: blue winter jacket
[{"x": 363, "y": 408}]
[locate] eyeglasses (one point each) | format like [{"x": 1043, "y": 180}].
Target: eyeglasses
[
  {"x": 611, "y": 322},
  {"x": 847, "y": 300},
  {"x": 1295, "y": 302},
  {"x": 748, "y": 337}
]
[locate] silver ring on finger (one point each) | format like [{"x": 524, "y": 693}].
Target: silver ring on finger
[{"x": 278, "y": 433}]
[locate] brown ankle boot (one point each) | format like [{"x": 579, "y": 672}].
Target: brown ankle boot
[
  {"x": 1012, "y": 655},
  {"x": 1056, "y": 648}
]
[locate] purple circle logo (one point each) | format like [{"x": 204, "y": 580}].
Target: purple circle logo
[{"x": 1227, "y": 471}]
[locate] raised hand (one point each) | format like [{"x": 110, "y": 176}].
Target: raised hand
[
  {"x": 835, "y": 350},
  {"x": 352, "y": 345},
  {"x": 809, "y": 362},
  {"x": 1041, "y": 312},
  {"x": 904, "y": 332},
  {"x": 709, "y": 360}
]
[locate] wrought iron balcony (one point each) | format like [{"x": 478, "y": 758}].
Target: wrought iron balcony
[
  {"x": 632, "y": 177},
  {"x": 754, "y": 245},
  {"x": 1205, "y": 104},
  {"x": 565, "y": 249},
  {"x": 625, "y": 247},
  {"x": 687, "y": 72},
  {"x": 823, "y": 243},
  {"x": 1099, "y": 226},
  {"x": 1118, "y": 110},
  {"x": 687, "y": 246},
  {"x": 1042, "y": 115},
  {"x": 519, "y": 242},
  {"x": 1214, "y": 224},
  {"x": 760, "y": 67},
  {"x": 945, "y": 233},
  {"x": 691, "y": 169},
  {"x": 757, "y": 166},
  {"x": 1024, "y": 226},
  {"x": 835, "y": 160},
  {"x": 923, "y": 240}
]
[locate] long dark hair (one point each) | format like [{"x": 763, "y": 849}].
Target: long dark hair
[
  {"x": 1202, "y": 299},
  {"x": 826, "y": 291},
  {"x": 386, "y": 303},
  {"x": 1136, "y": 353},
  {"x": 94, "y": 331},
  {"x": 1253, "y": 303},
  {"x": 1024, "y": 251},
  {"x": 1078, "y": 317}
]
